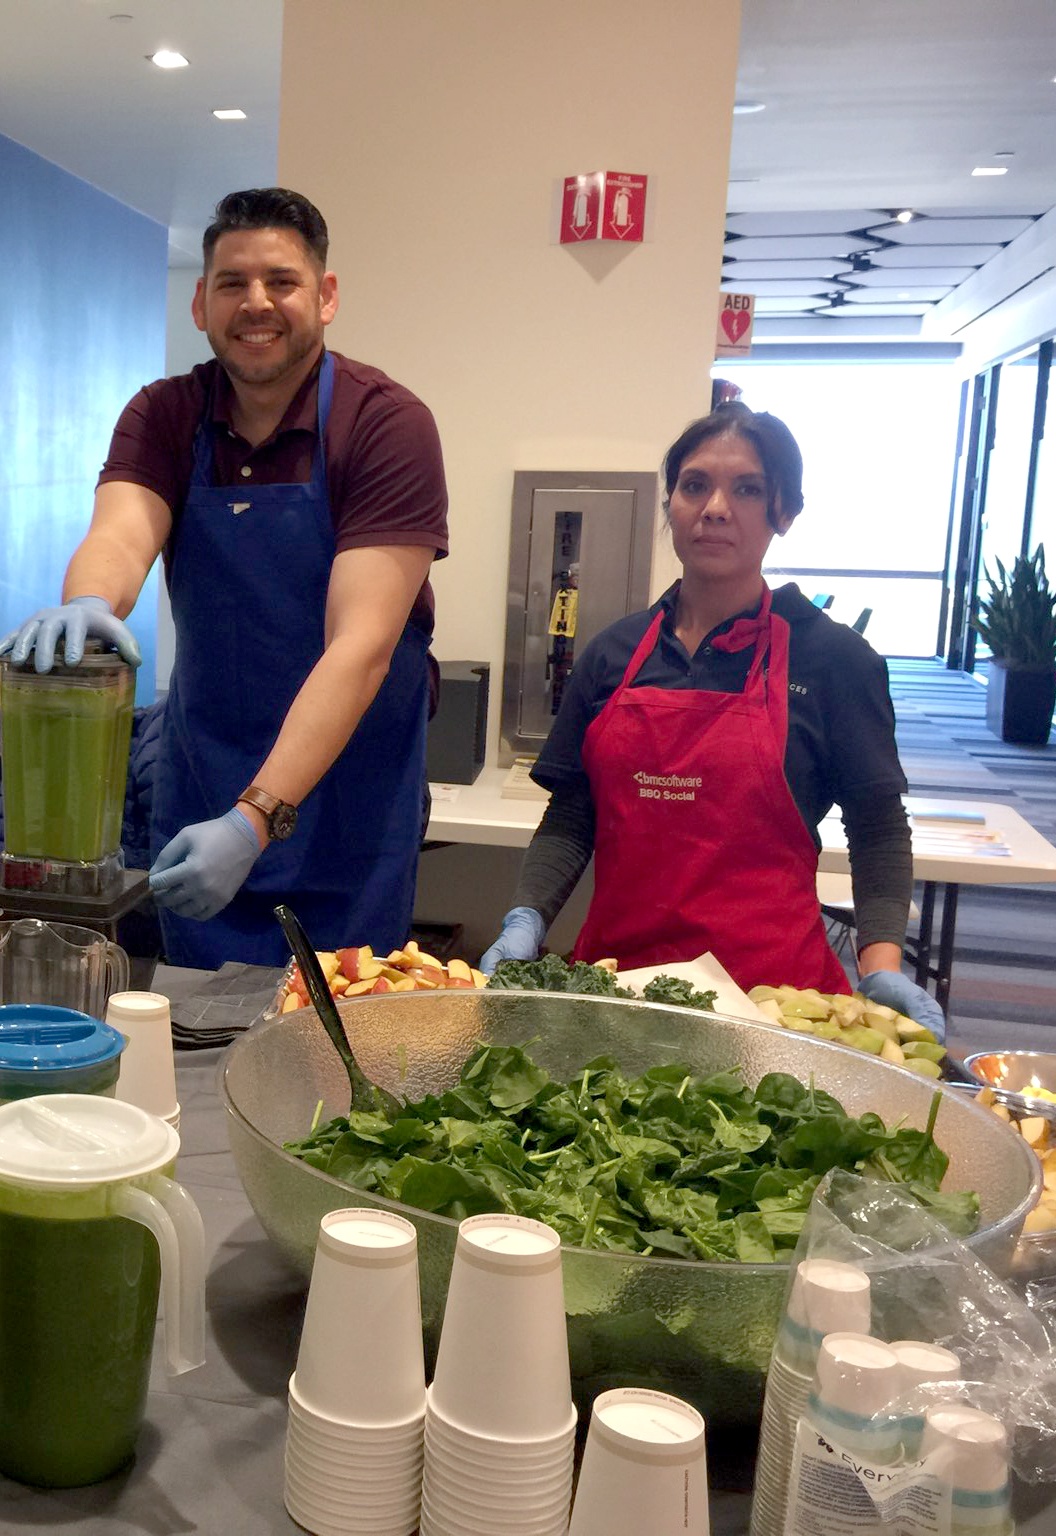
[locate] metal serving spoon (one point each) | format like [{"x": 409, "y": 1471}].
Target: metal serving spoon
[{"x": 365, "y": 1094}]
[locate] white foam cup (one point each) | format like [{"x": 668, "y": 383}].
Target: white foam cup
[
  {"x": 644, "y": 1468},
  {"x": 502, "y": 1364},
  {"x": 360, "y": 1359},
  {"x": 326, "y": 1517},
  {"x": 920, "y": 1364},
  {"x": 148, "y": 1072},
  {"x": 972, "y": 1447},
  {"x": 438, "y": 1520},
  {"x": 495, "y": 1449},
  {"x": 856, "y": 1383},
  {"x": 379, "y": 1439},
  {"x": 826, "y": 1296}
]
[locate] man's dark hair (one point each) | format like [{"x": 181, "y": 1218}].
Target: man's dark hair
[
  {"x": 268, "y": 208},
  {"x": 777, "y": 450}
]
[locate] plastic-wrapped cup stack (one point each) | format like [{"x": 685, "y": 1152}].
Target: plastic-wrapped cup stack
[
  {"x": 826, "y": 1296},
  {"x": 500, "y": 1425},
  {"x": 856, "y": 1381},
  {"x": 920, "y": 1364},
  {"x": 971, "y": 1454},
  {"x": 644, "y": 1468},
  {"x": 354, "y": 1442}
]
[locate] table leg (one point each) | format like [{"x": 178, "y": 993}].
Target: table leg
[
  {"x": 944, "y": 969},
  {"x": 927, "y": 917}
]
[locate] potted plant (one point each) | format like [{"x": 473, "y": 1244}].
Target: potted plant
[{"x": 1017, "y": 619}]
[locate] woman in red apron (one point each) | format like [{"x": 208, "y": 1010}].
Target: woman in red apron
[{"x": 672, "y": 765}]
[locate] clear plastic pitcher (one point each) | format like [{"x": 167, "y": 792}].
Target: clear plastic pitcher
[
  {"x": 59, "y": 965},
  {"x": 91, "y": 1225}
]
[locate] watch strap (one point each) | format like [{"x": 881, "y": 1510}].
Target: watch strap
[{"x": 260, "y": 798}]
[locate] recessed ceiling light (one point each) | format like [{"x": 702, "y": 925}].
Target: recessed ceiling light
[
  {"x": 167, "y": 58},
  {"x": 904, "y": 217},
  {"x": 228, "y": 114},
  {"x": 990, "y": 170},
  {"x": 743, "y": 107}
]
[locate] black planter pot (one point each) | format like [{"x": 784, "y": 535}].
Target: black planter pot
[{"x": 1020, "y": 701}]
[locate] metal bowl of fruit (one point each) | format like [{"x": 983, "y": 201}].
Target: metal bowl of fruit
[
  {"x": 1033, "y": 1117},
  {"x": 1028, "y": 1075},
  {"x": 701, "y": 1329}
]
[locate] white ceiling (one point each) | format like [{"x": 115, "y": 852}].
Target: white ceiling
[{"x": 869, "y": 107}]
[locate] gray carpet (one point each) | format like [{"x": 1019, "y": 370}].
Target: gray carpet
[{"x": 1004, "y": 979}]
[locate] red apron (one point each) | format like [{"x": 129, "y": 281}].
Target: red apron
[{"x": 699, "y": 845}]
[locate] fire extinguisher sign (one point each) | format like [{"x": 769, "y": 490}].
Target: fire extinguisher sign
[{"x": 603, "y": 205}]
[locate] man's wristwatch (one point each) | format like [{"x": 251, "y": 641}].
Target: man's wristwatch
[{"x": 279, "y": 816}]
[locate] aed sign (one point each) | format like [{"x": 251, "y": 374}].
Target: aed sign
[
  {"x": 733, "y": 337},
  {"x": 603, "y": 205}
]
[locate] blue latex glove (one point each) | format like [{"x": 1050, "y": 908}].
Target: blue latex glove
[
  {"x": 200, "y": 869},
  {"x": 523, "y": 931},
  {"x": 74, "y": 621},
  {"x": 896, "y": 991}
]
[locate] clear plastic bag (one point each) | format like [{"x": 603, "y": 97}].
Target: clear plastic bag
[{"x": 923, "y": 1285}]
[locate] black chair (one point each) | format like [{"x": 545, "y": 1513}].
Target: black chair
[
  {"x": 862, "y": 620},
  {"x": 823, "y": 599}
]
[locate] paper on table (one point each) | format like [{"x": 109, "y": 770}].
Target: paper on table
[{"x": 706, "y": 974}]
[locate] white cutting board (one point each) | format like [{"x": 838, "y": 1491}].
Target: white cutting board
[{"x": 706, "y": 974}]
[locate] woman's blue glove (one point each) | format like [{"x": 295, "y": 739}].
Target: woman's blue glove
[
  {"x": 200, "y": 869},
  {"x": 74, "y": 621},
  {"x": 523, "y": 931},
  {"x": 896, "y": 991}
]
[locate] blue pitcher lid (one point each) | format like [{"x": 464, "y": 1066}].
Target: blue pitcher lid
[{"x": 35, "y": 1037}]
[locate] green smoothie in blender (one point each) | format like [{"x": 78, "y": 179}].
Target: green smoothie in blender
[{"x": 65, "y": 757}]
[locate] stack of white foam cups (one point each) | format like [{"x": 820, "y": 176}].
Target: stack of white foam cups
[
  {"x": 919, "y": 1364},
  {"x": 500, "y": 1424},
  {"x": 971, "y": 1454},
  {"x": 644, "y": 1468},
  {"x": 826, "y": 1296},
  {"x": 354, "y": 1444}
]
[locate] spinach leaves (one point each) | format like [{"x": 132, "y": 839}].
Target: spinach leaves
[{"x": 666, "y": 1163}]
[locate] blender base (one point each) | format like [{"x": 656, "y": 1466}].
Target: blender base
[
  {"x": 100, "y": 912},
  {"x": 61, "y": 877}
]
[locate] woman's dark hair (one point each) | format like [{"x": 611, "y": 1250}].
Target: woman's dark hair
[
  {"x": 777, "y": 450},
  {"x": 268, "y": 208}
]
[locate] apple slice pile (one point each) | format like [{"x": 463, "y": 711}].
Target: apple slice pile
[
  {"x": 355, "y": 972},
  {"x": 1038, "y": 1133},
  {"x": 854, "y": 1020}
]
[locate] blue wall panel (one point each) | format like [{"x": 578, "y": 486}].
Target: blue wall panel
[{"x": 82, "y": 327}]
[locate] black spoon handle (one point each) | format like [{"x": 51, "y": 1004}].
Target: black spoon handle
[{"x": 322, "y": 999}]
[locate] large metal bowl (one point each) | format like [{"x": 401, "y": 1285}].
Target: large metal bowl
[{"x": 701, "y": 1330}]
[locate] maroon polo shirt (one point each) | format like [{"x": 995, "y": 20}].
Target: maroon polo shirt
[{"x": 384, "y": 469}]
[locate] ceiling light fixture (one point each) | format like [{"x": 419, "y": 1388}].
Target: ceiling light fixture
[
  {"x": 167, "y": 58},
  {"x": 744, "y": 107},
  {"x": 904, "y": 217},
  {"x": 990, "y": 170},
  {"x": 229, "y": 114}
]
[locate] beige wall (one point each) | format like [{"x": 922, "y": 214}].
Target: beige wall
[{"x": 432, "y": 133}]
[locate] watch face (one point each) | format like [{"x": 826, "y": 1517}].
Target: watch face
[{"x": 282, "y": 821}]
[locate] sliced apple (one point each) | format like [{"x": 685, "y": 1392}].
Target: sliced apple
[
  {"x": 358, "y": 988},
  {"x": 383, "y": 984},
  {"x": 458, "y": 969},
  {"x": 291, "y": 1002},
  {"x": 405, "y": 984},
  {"x": 428, "y": 962},
  {"x": 479, "y": 978},
  {"x": 328, "y": 962}
]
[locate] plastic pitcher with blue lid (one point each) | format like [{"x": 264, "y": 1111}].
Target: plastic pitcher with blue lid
[
  {"x": 56, "y": 1050},
  {"x": 92, "y": 1226}
]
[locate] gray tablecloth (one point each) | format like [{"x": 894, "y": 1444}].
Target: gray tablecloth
[{"x": 211, "y": 1449}]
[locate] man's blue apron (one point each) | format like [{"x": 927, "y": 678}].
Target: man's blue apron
[{"x": 248, "y": 576}]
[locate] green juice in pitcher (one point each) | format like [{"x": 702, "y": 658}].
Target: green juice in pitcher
[
  {"x": 65, "y": 757},
  {"x": 76, "y": 1361}
]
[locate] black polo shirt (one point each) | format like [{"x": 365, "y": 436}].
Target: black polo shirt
[{"x": 841, "y": 724}]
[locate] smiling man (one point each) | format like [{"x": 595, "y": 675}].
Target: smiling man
[{"x": 297, "y": 498}]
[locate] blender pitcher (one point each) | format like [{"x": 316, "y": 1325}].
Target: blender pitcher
[
  {"x": 65, "y": 761},
  {"x": 90, "y": 1226},
  {"x": 59, "y": 965}
]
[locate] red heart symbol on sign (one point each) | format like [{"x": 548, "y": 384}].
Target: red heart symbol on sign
[{"x": 735, "y": 322}]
